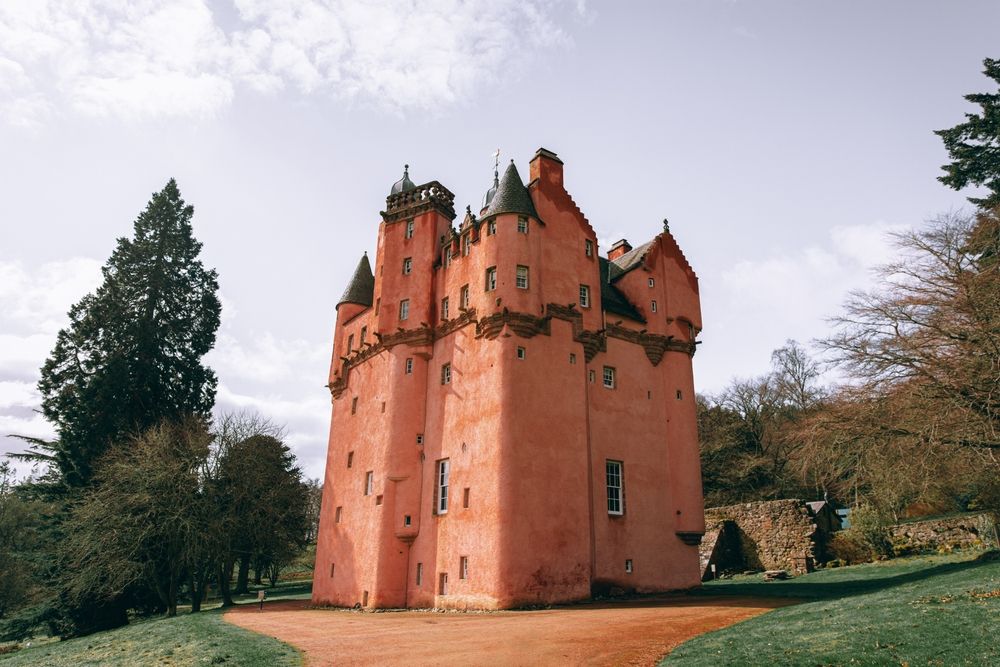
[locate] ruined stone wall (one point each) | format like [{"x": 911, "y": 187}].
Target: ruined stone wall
[
  {"x": 965, "y": 531},
  {"x": 774, "y": 535}
]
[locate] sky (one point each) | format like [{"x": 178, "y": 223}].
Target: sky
[{"x": 783, "y": 139}]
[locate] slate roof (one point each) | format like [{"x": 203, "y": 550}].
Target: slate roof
[
  {"x": 488, "y": 197},
  {"x": 403, "y": 184},
  {"x": 361, "y": 289},
  {"x": 511, "y": 196},
  {"x": 629, "y": 260},
  {"x": 612, "y": 299}
]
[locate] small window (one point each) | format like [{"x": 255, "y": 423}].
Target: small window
[
  {"x": 444, "y": 308},
  {"x": 652, "y": 283},
  {"x": 407, "y": 520},
  {"x": 572, "y": 358},
  {"x": 383, "y": 406},
  {"x": 350, "y": 343},
  {"x": 447, "y": 257},
  {"x": 680, "y": 395},
  {"x": 491, "y": 278},
  {"x": 441, "y": 502},
  {"x": 584, "y": 296},
  {"x": 378, "y": 499},
  {"x": 628, "y": 565},
  {"x": 446, "y": 374},
  {"x": 443, "y": 583},
  {"x": 591, "y": 376},
  {"x": 649, "y": 395},
  {"x": 521, "y": 352},
  {"x": 408, "y": 366},
  {"x": 420, "y": 574},
  {"x": 404, "y": 309},
  {"x": 652, "y": 305},
  {"x": 609, "y": 377},
  {"x": 588, "y": 248},
  {"x": 522, "y": 225},
  {"x": 369, "y": 482},
  {"x": 333, "y": 568},
  {"x": 465, "y": 498},
  {"x": 350, "y": 459},
  {"x": 407, "y": 266},
  {"x": 522, "y": 277},
  {"x": 364, "y": 334},
  {"x": 409, "y": 228},
  {"x": 491, "y": 227},
  {"x": 463, "y": 567},
  {"x": 466, "y": 244},
  {"x": 613, "y": 474},
  {"x": 339, "y": 514},
  {"x": 354, "y": 405},
  {"x": 420, "y": 438},
  {"x": 378, "y": 305},
  {"x": 463, "y": 301}
]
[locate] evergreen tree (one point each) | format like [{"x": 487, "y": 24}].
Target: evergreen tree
[
  {"x": 974, "y": 146},
  {"x": 132, "y": 354}
]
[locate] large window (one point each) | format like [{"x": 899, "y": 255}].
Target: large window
[
  {"x": 522, "y": 225},
  {"x": 491, "y": 227},
  {"x": 463, "y": 300},
  {"x": 588, "y": 248},
  {"x": 613, "y": 473},
  {"x": 409, "y": 229},
  {"x": 407, "y": 266},
  {"x": 444, "y": 308},
  {"x": 404, "y": 309},
  {"x": 609, "y": 377},
  {"x": 522, "y": 277},
  {"x": 441, "y": 501},
  {"x": 491, "y": 278},
  {"x": 584, "y": 296},
  {"x": 466, "y": 243}
]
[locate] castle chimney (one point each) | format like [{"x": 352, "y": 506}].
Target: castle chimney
[
  {"x": 546, "y": 167},
  {"x": 619, "y": 249}
]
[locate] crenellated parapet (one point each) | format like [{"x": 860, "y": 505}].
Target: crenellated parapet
[{"x": 426, "y": 197}]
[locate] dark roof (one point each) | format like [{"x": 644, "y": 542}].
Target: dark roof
[
  {"x": 403, "y": 184},
  {"x": 633, "y": 258},
  {"x": 511, "y": 195},
  {"x": 612, "y": 299},
  {"x": 488, "y": 197},
  {"x": 361, "y": 289}
]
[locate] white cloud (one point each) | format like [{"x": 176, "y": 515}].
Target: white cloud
[
  {"x": 16, "y": 393},
  {"x": 266, "y": 359},
  {"x": 148, "y": 59}
]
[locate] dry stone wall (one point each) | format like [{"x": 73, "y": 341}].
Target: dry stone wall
[
  {"x": 773, "y": 535},
  {"x": 967, "y": 530}
]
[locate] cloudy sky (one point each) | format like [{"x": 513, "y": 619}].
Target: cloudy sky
[{"x": 781, "y": 138}]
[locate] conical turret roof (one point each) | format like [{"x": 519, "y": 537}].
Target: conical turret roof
[
  {"x": 403, "y": 184},
  {"x": 511, "y": 195},
  {"x": 488, "y": 197},
  {"x": 361, "y": 289}
]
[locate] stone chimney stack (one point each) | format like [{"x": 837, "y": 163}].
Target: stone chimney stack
[
  {"x": 547, "y": 168},
  {"x": 619, "y": 249}
]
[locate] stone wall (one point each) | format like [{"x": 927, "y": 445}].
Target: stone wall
[
  {"x": 773, "y": 535},
  {"x": 967, "y": 530}
]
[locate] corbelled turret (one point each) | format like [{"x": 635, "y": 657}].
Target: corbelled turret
[
  {"x": 511, "y": 196},
  {"x": 361, "y": 289}
]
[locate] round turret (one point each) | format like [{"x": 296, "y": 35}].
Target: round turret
[
  {"x": 403, "y": 184},
  {"x": 488, "y": 197}
]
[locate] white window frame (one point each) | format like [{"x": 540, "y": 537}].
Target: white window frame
[
  {"x": 444, "y": 308},
  {"x": 609, "y": 377},
  {"x": 652, "y": 305},
  {"x": 466, "y": 244},
  {"x": 588, "y": 248},
  {"x": 521, "y": 352},
  {"x": 521, "y": 277},
  {"x": 404, "y": 309},
  {"x": 585, "y": 296},
  {"x": 409, "y": 228},
  {"x": 408, "y": 366},
  {"x": 445, "y": 373},
  {"x": 652, "y": 283},
  {"x": 442, "y": 472},
  {"x": 463, "y": 567},
  {"x": 369, "y": 482},
  {"x": 407, "y": 266},
  {"x": 447, "y": 257},
  {"x": 463, "y": 298},
  {"x": 491, "y": 227},
  {"x": 491, "y": 279},
  {"x": 614, "y": 478},
  {"x": 522, "y": 224}
]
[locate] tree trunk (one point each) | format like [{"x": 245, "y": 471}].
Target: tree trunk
[
  {"x": 258, "y": 572},
  {"x": 225, "y": 572},
  {"x": 172, "y": 595},
  {"x": 243, "y": 577},
  {"x": 195, "y": 592}
]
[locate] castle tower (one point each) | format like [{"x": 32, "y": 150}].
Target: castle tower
[{"x": 513, "y": 416}]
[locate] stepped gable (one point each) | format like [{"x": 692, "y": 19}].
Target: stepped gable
[{"x": 361, "y": 289}]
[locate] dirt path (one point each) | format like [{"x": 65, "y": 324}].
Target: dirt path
[{"x": 636, "y": 632}]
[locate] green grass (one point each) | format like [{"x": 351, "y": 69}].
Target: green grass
[
  {"x": 929, "y": 610},
  {"x": 186, "y": 639}
]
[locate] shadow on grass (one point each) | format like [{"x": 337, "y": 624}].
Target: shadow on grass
[{"x": 856, "y": 582}]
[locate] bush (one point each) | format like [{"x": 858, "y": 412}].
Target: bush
[
  {"x": 849, "y": 547},
  {"x": 873, "y": 527}
]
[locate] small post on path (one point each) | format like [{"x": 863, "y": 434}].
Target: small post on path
[{"x": 260, "y": 599}]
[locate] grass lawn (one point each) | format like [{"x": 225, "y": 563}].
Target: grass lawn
[
  {"x": 187, "y": 639},
  {"x": 924, "y": 610}
]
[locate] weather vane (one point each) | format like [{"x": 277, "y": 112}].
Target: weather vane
[{"x": 496, "y": 161}]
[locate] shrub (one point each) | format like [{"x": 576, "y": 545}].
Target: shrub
[
  {"x": 872, "y": 525},
  {"x": 849, "y": 547}
]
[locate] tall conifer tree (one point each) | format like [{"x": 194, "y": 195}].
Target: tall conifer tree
[{"x": 132, "y": 354}]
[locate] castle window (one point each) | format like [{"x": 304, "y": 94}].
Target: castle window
[
  {"x": 465, "y": 498},
  {"x": 333, "y": 568},
  {"x": 443, "y": 584},
  {"x": 447, "y": 257},
  {"x": 463, "y": 567},
  {"x": 338, "y": 515},
  {"x": 420, "y": 574},
  {"x": 354, "y": 405},
  {"x": 609, "y": 377},
  {"x": 521, "y": 352},
  {"x": 350, "y": 459},
  {"x": 491, "y": 227},
  {"x": 463, "y": 300},
  {"x": 652, "y": 306},
  {"x": 591, "y": 376},
  {"x": 628, "y": 566},
  {"x": 584, "y": 296},
  {"x": 408, "y": 366},
  {"x": 444, "y": 308},
  {"x": 466, "y": 244},
  {"x": 522, "y": 277},
  {"x": 404, "y": 309},
  {"x": 588, "y": 248},
  {"x": 407, "y": 266},
  {"x": 441, "y": 499},
  {"x": 409, "y": 228},
  {"x": 652, "y": 283},
  {"x": 364, "y": 334},
  {"x": 369, "y": 482},
  {"x": 420, "y": 438},
  {"x": 446, "y": 374},
  {"x": 613, "y": 474},
  {"x": 572, "y": 358},
  {"x": 407, "y": 520},
  {"x": 680, "y": 395},
  {"x": 522, "y": 225},
  {"x": 378, "y": 305},
  {"x": 383, "y": 406},
  {"x": 491, "y": 278},
  {"x": 378, "y": 499},
  {"x": 350, "y": 343}
]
